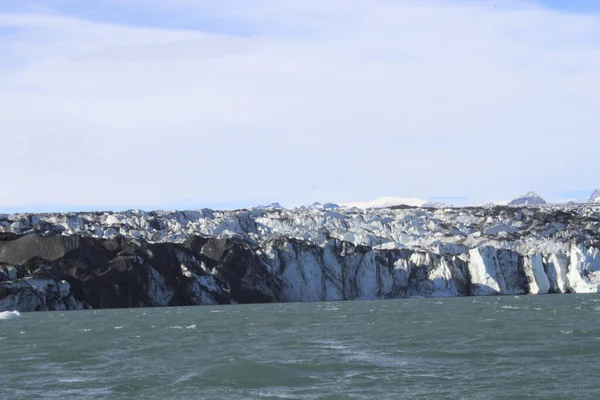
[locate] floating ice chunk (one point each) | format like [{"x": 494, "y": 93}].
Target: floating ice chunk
[{"x": 9, "y": 315}]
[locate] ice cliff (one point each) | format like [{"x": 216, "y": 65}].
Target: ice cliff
[{"x": 272, "y": 254}]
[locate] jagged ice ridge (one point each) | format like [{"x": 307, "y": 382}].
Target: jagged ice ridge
[{"x": 307, "y": 254}]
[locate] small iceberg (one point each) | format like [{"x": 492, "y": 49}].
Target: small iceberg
[{"x": 9, "y": 315}]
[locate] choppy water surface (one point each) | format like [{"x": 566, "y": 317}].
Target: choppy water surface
[{"x": 544, "y": 347}]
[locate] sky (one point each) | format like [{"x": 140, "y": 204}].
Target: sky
[{"x": 112, "y": 104}]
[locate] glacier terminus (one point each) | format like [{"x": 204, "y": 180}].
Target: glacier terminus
[{"x": 136, "y": 258}]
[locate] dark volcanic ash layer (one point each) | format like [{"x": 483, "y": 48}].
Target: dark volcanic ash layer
[{"x": 141, "y": 259}]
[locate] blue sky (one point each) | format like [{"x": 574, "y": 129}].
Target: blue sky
[
  {"x": 184, "y": 104},
  {"x": 578, "y": 6},
  {"x": 136, "y": 13}
]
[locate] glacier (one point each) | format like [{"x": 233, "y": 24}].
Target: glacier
[{"x": 325, "y": 252}]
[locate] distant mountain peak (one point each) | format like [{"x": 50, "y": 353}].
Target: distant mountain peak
[
  {"x": 528, "y": 199},
  {"x": 595, "y": 198},
  {"x": 385, "y": 202},
  {"x": 274, "y": 206}
]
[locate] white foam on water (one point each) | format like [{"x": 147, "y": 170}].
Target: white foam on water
[
  {"x": 119, "y": 327},
  {"x": 185, "y": 378},
  {"x": 9, "y": 315},
  {"x": 73, "y": 380},
  {"x": 274, "y": 393},
  {"x": 352, "y": 353},
  {"x": 379, "y": 360},
  {"x": 193, "y": 326},
  {"x": 331, "y": 344}
]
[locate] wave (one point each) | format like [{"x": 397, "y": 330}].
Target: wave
[{"x": 9, "y": 315}]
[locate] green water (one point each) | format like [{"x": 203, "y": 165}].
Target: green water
[{"x": 544, "y": 347}]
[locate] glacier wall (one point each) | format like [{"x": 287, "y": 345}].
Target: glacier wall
[{"x": 318, "y": 253}]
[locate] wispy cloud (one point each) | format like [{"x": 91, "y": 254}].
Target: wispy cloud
[{"x": 306, "y": 101}]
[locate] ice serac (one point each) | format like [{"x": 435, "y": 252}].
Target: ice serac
[
  {"x": 272, "y": 254},
  {"x": 536, "y": 275},
  {"x": 584, "y": 269},
  {"x": 556, "y": 270},
  {"x": 486, "y": 277}
]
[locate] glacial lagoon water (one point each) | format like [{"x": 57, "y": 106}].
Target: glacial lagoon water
[{"x": 539, "y": 347}]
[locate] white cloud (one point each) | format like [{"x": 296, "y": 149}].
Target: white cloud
[{"x": 329, "y": 101}]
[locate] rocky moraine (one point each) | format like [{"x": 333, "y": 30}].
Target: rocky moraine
[{"x": 322, "y": 252}]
